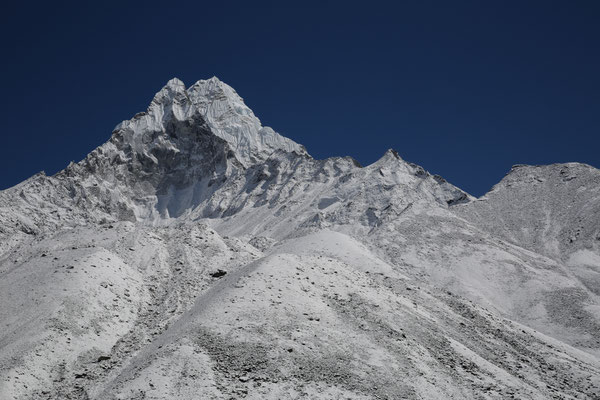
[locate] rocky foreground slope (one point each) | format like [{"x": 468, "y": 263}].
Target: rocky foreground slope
[{"x": 200, "y": 255}]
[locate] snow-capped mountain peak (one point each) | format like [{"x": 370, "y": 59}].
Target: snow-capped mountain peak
[{"x": 224, "y": 112}]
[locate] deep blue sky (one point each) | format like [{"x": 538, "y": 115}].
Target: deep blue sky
[{"x": 464, "y": 88}]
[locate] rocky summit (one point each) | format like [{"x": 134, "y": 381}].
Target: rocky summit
[{"x": 200, "y": 255}]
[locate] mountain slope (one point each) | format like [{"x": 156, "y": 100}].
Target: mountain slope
[
  {"x": 551, "y": 209},
  {"x": 197, "y": 253}
]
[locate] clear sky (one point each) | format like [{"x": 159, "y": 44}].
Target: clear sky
[{"x": 464, "y": 88}]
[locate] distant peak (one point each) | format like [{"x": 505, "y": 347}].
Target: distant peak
[
  {"x": 392, "y": 153},
  {"x": 175, "y": 83}
]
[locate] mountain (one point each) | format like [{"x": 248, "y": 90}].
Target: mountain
[{"x": 198, "y": 254}]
